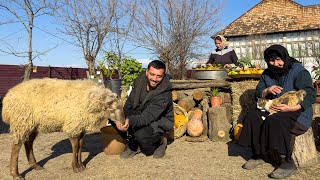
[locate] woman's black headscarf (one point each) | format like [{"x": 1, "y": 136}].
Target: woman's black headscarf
[{"x": 273, "y": 52}]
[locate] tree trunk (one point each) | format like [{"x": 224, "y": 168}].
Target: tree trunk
[
  {"x": 90, "y": 62},
  {"x": 28, "y": 69}
]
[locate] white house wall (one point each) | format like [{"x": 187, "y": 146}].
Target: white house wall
[{"x": 301, "y": 45}]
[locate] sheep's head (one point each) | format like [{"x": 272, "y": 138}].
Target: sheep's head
[{"x": 116, "y": 112}]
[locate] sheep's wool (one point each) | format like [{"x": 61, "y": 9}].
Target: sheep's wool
[{"x": 50, "y": 105}]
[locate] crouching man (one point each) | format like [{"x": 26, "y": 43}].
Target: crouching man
[{"x": 149, "y": 113}]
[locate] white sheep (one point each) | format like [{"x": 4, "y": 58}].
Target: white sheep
[{"x": 48, "y": 105}]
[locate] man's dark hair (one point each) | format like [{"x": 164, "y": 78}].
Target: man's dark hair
[{"x": 157, "y": 64}]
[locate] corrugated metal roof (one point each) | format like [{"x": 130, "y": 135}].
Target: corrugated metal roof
[{"x": 11, "y": 75}]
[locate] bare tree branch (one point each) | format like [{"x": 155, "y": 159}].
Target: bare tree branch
[
  {"x": 175, "y": 29},
  {"x": 24, "y": 12},
  {"x": 88, "y": 22}
]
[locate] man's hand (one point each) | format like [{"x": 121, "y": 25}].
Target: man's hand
[{"x": 123, "y": 127}]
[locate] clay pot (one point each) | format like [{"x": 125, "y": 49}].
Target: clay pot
[
  {"x": 113, "y": 143},
  {"x": 215, "y": 101}
]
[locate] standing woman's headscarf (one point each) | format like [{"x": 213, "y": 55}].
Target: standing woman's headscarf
[
  {"x": 272, "y": 53},
  {"x": 223, "y": 40}
]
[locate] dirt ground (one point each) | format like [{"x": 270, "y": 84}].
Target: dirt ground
[{"x": 184, "y": 160}]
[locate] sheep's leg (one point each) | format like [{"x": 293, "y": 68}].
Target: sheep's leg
[
  {"x": 75, "y": 149},
  {"x": 29, "y": 151},
  {"x": 81, "y": 142},
  {"x": 14, "y": 160}
]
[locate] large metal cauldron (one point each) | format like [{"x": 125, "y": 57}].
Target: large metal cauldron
[{"x": 209, "y": 74}]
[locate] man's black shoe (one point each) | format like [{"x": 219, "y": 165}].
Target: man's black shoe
[{"x": 161, "y": 150}]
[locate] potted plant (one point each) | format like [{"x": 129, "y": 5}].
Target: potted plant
[
  {"x": 124, "y": 69},
  {"x": 215, "y": 99},
  {"x": 110, "y": 66}
]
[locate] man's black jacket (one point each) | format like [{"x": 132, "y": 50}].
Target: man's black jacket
[{"x": 157, "y": 108}]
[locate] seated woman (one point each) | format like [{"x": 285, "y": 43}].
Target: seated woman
[
  {"x": 222, "y": 54},
  {"x": 276, "y": 134}
]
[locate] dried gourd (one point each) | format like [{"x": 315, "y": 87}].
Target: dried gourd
[{"x": 195, "y": 126}]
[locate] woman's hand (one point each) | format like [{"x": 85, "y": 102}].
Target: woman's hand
[
  {"x": 123, "y": 127},
  {"x": 286, "y": 108},
  {"x": 227, "y": 66},
  {"x": 274, "y": 90}
]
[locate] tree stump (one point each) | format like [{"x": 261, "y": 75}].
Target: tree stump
[
  {"x": 218, "y": 124},
  {"x": 305, "y": 153}
]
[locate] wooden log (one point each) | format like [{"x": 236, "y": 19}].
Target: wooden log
[
  {"x": 177, "y": 95},
  {"x": 198, "y": 95},
  {"x": 187, "y": 103},
  {"x": 192, "y": 85},
  {"x": 218, "y": 124},
  {"x": 305, "y": 153},
  {"x": 188, "y": 81},
  {"x": 225, "y": 97},
  {"x": 189, "y": 92},
  {"x": 205, "y": 106},
  {"x": 228, "y": 111}
]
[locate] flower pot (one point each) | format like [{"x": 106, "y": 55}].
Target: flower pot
[
  {"x": 215, "y": 101},
  {"x": 113, "y": 143}
]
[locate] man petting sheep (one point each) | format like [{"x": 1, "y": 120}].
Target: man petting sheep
[{"x": 149, "y": 113}]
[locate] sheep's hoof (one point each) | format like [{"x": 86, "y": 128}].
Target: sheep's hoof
[
  {"x": 82, "y": 167},
  {"x": 37, "y": 167},
  {"x": 77, "y": 169}
]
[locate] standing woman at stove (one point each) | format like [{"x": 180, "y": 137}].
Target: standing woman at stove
[{"x": 222, "y": 54}]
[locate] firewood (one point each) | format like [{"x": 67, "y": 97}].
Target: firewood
[
  {"x": 228, "y": 107},
  {"x": 218, "y": 124},
  {"x": 226, "y": 97},
  {"x": 205, "y": 106},
  {"x": 200, "y": 84},
  {"x": 198, "y": 95},
  {"x": 177, "y": 95},
  {"x": 187, "y": 103}
]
